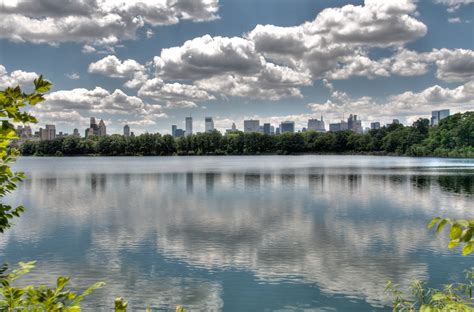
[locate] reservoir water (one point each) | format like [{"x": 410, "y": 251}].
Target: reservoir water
[{"x": 264, "y": 233}]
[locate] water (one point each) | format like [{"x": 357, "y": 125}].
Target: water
[{"x": 313, "y": 233}]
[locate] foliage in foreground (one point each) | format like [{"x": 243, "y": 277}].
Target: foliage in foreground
[
  {"x": 30, "y": 298},
  {"x": 41, "y": 298},
  {"x": 453, "y": 137},
  {"x": 461, "y": 232},
  {"x": 455, "y": 297},
  {"x": 12, "y": 100}
]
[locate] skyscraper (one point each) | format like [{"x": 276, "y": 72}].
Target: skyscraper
[
  {"x": 209, "y": 124},
  {"x": 173, "y": 130},
  {"x": 126, "y": 130},
  {"x": 93, "y": 125},
  {"x": 102, "y": 130},
  {"x": 49, "y": 133},
  {"x": 287, "y": 126},
  {"x": 316, "y": 125},
  {"x": 75, "y": 133},
  {"x": 267, "y": 128},
  {"x": 251, "y": 126},
  {"x": 189, "y": 125},
  {"x": 354, "y": 124},
  {"x": 437, "y": 116},
  {"x": 375, "y": 125}
]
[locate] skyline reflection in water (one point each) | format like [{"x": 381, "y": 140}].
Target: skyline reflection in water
[{"x": 240, "y": 233}]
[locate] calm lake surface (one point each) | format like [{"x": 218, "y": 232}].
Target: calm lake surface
[{"x": 268, "y": 233}]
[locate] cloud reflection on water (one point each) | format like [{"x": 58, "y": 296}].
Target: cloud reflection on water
[{"x": 347, "y": 231}]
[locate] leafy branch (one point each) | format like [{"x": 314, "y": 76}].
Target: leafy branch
[{"x": 460, "y": 233}]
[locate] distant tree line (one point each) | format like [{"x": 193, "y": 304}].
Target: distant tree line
[{"x": 453, "y": 137}]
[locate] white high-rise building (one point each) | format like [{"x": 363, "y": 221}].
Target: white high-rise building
[
  {"x": 189, "y": 125},
  {"x": 209, "y": 124},
  {"x": 316, "y": 125},
  {"x": 437, "y": 116},
  {"x": 251, "y": 126}
]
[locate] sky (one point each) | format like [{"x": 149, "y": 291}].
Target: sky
[{"x": 151, "y": 63}]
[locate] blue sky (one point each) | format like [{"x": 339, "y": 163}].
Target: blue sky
[{"x": 378, "y": 59}]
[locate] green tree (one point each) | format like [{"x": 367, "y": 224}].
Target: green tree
[
  {"x": 12, "y": 101},
  {"x": 29, "y": 298}
]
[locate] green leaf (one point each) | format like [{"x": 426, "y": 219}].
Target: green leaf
[
  {"x": 453, "y": 244},
  {"x": 468, "y": 248},
  {"x": 441, "y": 225},
  {"x": 433, "y": 222},
  {"x": 466, "y": 235},
  {"x": 455, "y": 232}
]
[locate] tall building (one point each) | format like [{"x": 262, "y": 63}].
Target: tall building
[
  {"x": 354, "y": 124},
  {"x": 176, "y": 132},
  {"x": 75, "y": 133},
  {"x": 287, "y": 126},
  {"x": 126, "y": 130},
  {"x": 341, "y": 126},
  {"x": 94, "y": 125},
  {"x": 375, "y": 125},
  {"x": 96, "y": 129},
  {"x": 189, "y": 125},
  {"x": 316, "y": 125},
  {"x": 49, "y": 133},
  {"x": 209, "y": 124},
  {"x": 102, "y": 131},
  {"x": 437, "y": 116},
  {"x": 24, "y": 132},
  {"x": 251, "y": 126},
  {"x": 267, "y": 128}
]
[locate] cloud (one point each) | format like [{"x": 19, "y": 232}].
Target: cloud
[
  {"x": 207, "y": 56},
  {"x": 454, "y": 20},
  {"x": 339, "y": 34},
  {"x": 111, "y": 66},
  {"x": 175, "y": 95},
  {"x": 453, "y": 65},
  {"x": 274, "y": 62},
  {"x": 86, "y": 49},
  {"x": 16, "y": 77},
  {"x": 407, "y": 106},
  {"x": 73, "y": 76},
  {"x": 454, "y": 5},
  {"x": 230, "y": 66},
  {"x": 98, "y": 22},
  {"x": 65, "y": 106}
]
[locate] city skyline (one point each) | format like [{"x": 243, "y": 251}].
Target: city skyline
[
  {"x": 250, "y": 125},
  {"x": 381, "y": 60}
]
